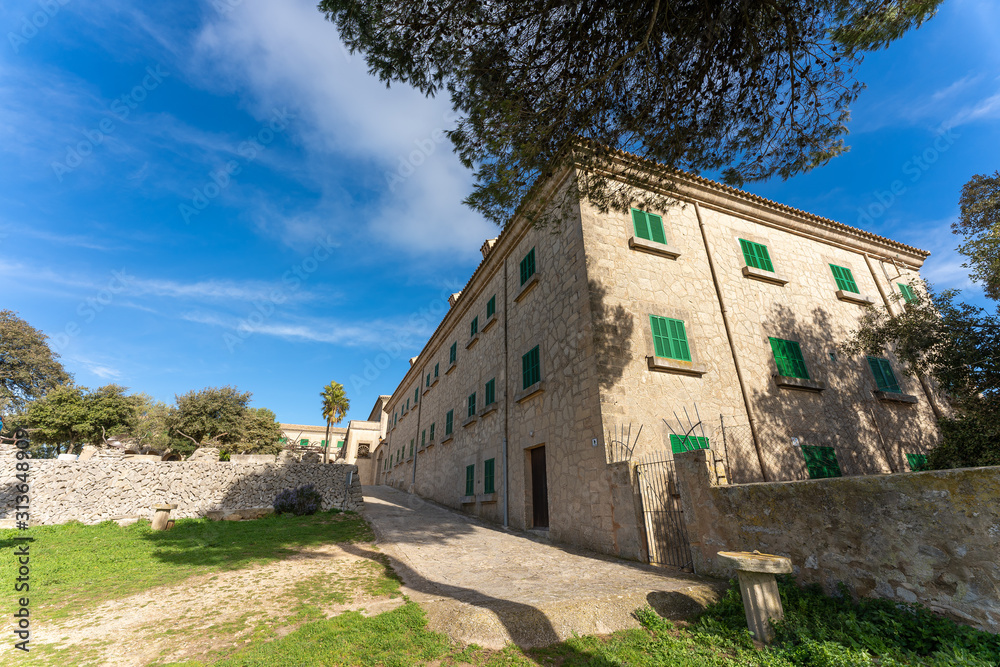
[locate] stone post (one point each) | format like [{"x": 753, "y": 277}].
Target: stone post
[
  {"x": 761, "y": 601},
  {"x": 162, "y": 515}
]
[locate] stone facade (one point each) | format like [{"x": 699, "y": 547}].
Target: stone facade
[
  {"x": 927, "y": 537},
  {"x": 587, "y": 309},
  {"x": 102, "y": 490}
]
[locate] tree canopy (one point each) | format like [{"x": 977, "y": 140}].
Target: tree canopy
[
  {"x": 747, "y": 88},
  {"x": 335, "y": 406},
  {"x": 28, "y": 367},
  {"x": 979, "y": 225}
]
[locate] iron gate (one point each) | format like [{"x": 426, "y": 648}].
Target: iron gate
[{"x": 666, "y": 534}]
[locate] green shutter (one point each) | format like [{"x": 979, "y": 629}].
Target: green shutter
[
  {"x": 470, "y": 480},
  {"x": 340, "y": 443},
  {"x": 640, "y": 224},
  {"x": 917, "y": 462},
  {"x": 437, "y": 367},
  {"x": 687, "y": 443},
  {"x": 432, "y": 432},
  {"x": 648, "y": 226},
  {"x": 491, "y": 392},
  {"x": 474, "y": 327},
  {"x": 453, "y": 353},
  {"x": 449, "y": 422},
  {"x": 528, "y": 266},
  {"x": 491, "y": 306},
  {"x": 756, "y": 255},
  {"x": 428, "y": 379},
  {"x": 282, "y": 440},
  {"x": 907, "y": 292},
  {"x": 669, "y": 338},
  {"x": 472, "y": 404},
  {"x": 322, "y": 443},
  {"x": 411, "y": 446},
  {"x": 488, "y": 470},
  {"x": 788, "y": 358},
  {"x": 423, "y": 438},
  {"x": 531, "y": 371},
  {"x": 845, "y": 279},
  {"x": 885, "y": 379},
  {"x": 304, "y": 442},
  {"x": 821, "y": 462}
]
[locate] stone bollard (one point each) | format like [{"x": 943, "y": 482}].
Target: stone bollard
[
  {"x": 162, "y": 515},
  {"x": 758, "y": 588}
]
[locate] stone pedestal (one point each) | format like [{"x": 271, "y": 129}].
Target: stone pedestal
[
  {"x": 162, "y": 515},
  {"x": 759, "y": 590}
]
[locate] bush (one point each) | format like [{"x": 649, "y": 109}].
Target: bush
[{"x": 303, "y": 500}]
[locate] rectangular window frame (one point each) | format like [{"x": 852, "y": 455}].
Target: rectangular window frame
[
  {"x": 453, "y": 353},
  {"x": 687, "y": 443},
  {"x": 491, "y": 307},
  {"x": 821, "y": 462},
  {"x": 449, "y": 422},
  {"x": 756, "y": 255},
  {"x": 489, "y": 476},
  {"x": 527, "y": 267},
  {"x": 788, "y": 358},
  {"x": 474, "y": 327},
  {"x": 490, "y": 393},
  {"x": 531, "y": 367},
  {"x": 472, "y": 405},
  {"x": 648, "y": 226},
  {"x": 885, "y": 379},
  {"x": 844, "y": 279},
  {"x": 470, "y": 480},
  {"x": 669, "y": 338},
  {"x": 909, "y": 296}
]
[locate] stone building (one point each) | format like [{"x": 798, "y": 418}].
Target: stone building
[{"x": 725, "y": 305}]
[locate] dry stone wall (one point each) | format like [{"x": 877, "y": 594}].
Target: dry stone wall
[{"x": 102, "y": 490}]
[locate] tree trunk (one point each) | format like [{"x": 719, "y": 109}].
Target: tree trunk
[{"x": 326, "y": 450}]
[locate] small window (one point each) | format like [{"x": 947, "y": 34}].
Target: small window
[
  {"x": 491, "y": 392},
  {"x": 845, "y": 279},
  {"x": 449, "y": 422},
  {"x": 437, "y": 367},
  {"x": 474, "y": 327},
  {"x": 669, "y": 338},
  {"x": 453, "y": 353},
  {"x": 283, "y": 440},
  {"x": 821, "y": 462},
  {"x": 411, "y": 447},
  {"x": 470, "y": 479},
  {"x": 491, "y": 307},
  {"x": 885, "y": 379},
  {"x": 531, "y": 369},
  {"x": 407, "y": 405},
  {"x": 907, "y": 292},
  {"x": 428, "y": 379},
  {"x": 416, "y": 394},
  {"x": 304, "y": 442},
  {"x": 648, "y": 226},
  {"x": 432, "y": 432},
  {"x": 687, "y": 443},
  {"x": 423, "y": 438},
  {"x": 322, "y": 443},
  {"x": 917, "y": 462},
  {"x": 340, "y": 443},
  {"x": 472, "y": 404},
  {"x": 756, "y": 255},
  {"x": 788, "y": 357},
  {"x": 528, "y": 266},
  {"x": 488, "y": 469}
]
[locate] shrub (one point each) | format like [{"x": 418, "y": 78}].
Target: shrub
[{"x": 303, "y": 500}]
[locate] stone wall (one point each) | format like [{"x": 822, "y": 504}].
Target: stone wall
[
  {"x": 928, "y": 537},
  {"x": 100, "y": 490}
]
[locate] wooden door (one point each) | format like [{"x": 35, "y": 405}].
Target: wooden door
[{"x": 539, "y": 489}]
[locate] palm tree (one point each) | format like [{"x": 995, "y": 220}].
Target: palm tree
[{"x": 335, "y": 407}]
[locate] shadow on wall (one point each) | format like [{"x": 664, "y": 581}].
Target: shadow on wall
[
  {"x": 613, "y": 326},
  {"x": 869, "y": 436},
  {"x": 258, "y": 488}
]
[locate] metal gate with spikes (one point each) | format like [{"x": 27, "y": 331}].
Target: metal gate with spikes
[{"x": 666, "y": 533}]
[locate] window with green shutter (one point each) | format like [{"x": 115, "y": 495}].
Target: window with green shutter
[
  {"x": 432, "y": 432},
  {"x": 885, "y": 379},
  {"x": 491, "y": 392},
  {"x": 449, "y": 422},
  {"x": 416, "y": 394},
  {"x": 322, "y": 443},
  {"x": 423, "y": 438},
  {"x": 474, "y": 327},
  {"x": 282, "y": 440},
  {"x": 917, "y": 462},
  {"x": 472, "y": 404},
  {"x": 428, "y": 380},
  {"x": 491, "y": 307},
  {"x": 907, "y": 292},
  {"x": 669, "y": 338},
  {"x": 340, "y": 443},
  {"x": 648, "y": 226},
  {"x": 687, "y": 443},
  {"x": 437, "y": 367},
  {"x": 304, "y": 442},
  {"x": 488, "y": 469},
  {"x": 453, "y": 353},
  {"x": 411, "y": 446},
  {"x": 470, "y": 479},
  {"x": 845, "y": 279},
  {"x": 756, "y": 255},
  {"x": 531, "y": 369},
  {"x": 788, "y": 357},
  {"x": 821, "y": 462},
  {"x": 528, "y": 266}
]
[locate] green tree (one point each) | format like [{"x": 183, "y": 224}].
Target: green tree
[
  {"x": 214, "y": 416},
  {"x": 335, "y": 407},
  {"x": 58, "y": 422},
  {"x": 752, "y": 89},
  {"x": 262, "y": 432},
  {"x": 979, "y": 226},
  {"x": 28, "y": 367},
  {"x": 149, "y": 429},
  {"x": 109, "y": 412}
]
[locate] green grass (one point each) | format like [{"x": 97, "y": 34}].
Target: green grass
[{"x": 73, "y": 566}]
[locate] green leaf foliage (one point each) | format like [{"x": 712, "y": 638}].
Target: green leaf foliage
[
  {"x": 28, "y": 367},
  {"x": 979, "y": 225}
]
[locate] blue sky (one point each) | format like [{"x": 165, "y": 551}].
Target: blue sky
[{"x": 202, "y": 194}]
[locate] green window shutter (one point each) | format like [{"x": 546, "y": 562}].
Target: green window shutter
[
  {"x": 453, "y": 353},
  {"x": 756, "y": 255},
  {"x": 528, "y": 266},
  {"x": 907, "y": 292},
  {"x": 669, "y": 338},
  {"x": 423, "y": 438},
  {"x": 428, "y": 379},
  {"x": 282, "y": 440},
  {"x": 432, "y": 432},
  {"x": 474, "y": 327},
  {"x": 304, "y": 442},
  {"x": 821, "y": 462},
  {"x": 437, "y": 367},
  {"x": 449, "y": 422},
  {"x": 411, "y": 446},
  {"x": 648, "y": 226},
  {"x": 788, "y": 358},
  {"x": 472, "y": 404},
  {"x": 687, "y": 443},
  {"x": 845, "y": 279},
  {"x": 470, "y": 479},
  {"x": 885, "y": 379},
  {"x": 491, "y": 392},
  {"x": 322, "y": 443},
  {"x": 531, "y": 370},
  {"x": 488, "y": 470},
  {"x": 641, "y": 224},
  {"x": 917, "y": 462},
  {"x": 491, "y": 307},
  {"x": 340, "y": 443},
  {"x": 416, "y": 394}
]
